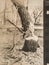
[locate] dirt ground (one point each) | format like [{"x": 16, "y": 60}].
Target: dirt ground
[{"x": 10, "y": 53}]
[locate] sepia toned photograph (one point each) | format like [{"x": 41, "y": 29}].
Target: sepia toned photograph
[{"x": 21, "y": 32}]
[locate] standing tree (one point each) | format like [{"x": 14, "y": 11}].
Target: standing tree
[
  {"x": 30, "y": 43},
  {"x": 37, "y": 13}
]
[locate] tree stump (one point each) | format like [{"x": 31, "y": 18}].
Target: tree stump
[{"x": 31, "y": 44}]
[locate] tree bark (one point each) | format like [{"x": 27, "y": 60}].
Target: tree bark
[
  {"x": 24, "y": 15},
  {"x": 30, "y": 45}
]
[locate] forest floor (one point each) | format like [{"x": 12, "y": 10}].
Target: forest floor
[{"x": 16, "y": 56}]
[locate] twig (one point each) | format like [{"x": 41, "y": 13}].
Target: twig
[{"x": 14, "y": 25}]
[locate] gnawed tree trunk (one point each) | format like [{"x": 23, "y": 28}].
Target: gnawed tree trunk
[{"x": 30, "y": 43}]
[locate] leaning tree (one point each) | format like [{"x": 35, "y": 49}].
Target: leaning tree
[{"x": 31, "y": 40}]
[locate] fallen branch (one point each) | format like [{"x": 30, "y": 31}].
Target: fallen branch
[{"x": 15, "y": 25}]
